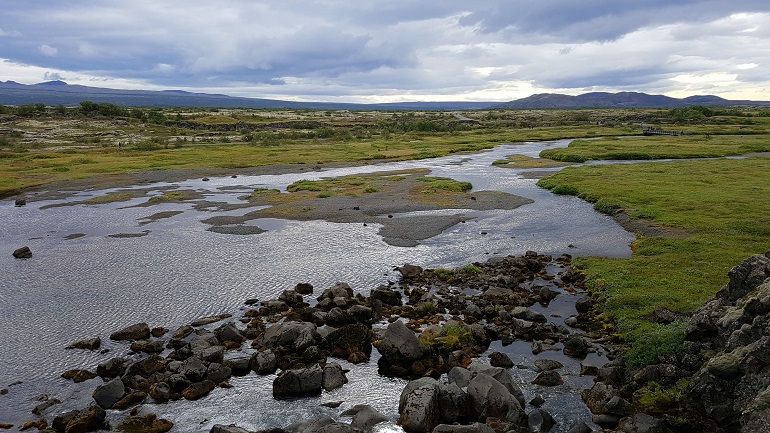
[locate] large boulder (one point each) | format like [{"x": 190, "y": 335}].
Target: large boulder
[
  {"x": 492, "y": 399},
  {"x": 400, "y": 345},
  {"x": 364, "y": 417},
  {"x": 148, "y": 423},
  {"x": 351, "y": 342},
  {"x": 298, "y": 383},
  {"x": 110, "y": 393},
  {"x": 333, "y": 376},
  {"x": 419, "y": 408},
  {"x": 293, "y": 335},
  {"x": 86, "y": 420},
  {"x": 409, "y": 271},
  {"x": 386, "y": 295}
]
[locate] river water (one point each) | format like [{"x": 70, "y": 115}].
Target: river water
[{"x": 93, "y": 284}]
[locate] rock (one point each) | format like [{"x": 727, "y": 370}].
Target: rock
[
  {"x": 459, "y": 376},
  {"x": 38, "y": 410},
  {"x": 642, "y": 423},
  {"x": 333, "y": 376},
  {"x": 476, "y": 427},
  {"x": 492, "y": 399},
  {"x": 596, "y": 397},
  {"x": 498, "y": 359},
  {"x": 304, "y": 288},
  {"x": 112, "y": 367},
  {"x": 89, "y": 419},
  {"x": 145, "y": 424},
  {"x": 504, "y": 377},
  {"x": 525, "y": 313},
  {"x": 210, "y": 319},
  {"x": 663, "y": 316},
  {"x": 580, "y": 427},
  {"x": 585, "y": 304},
  {"x": 160, "y": 392},
  {"x": 537, "y": 401},
  {"x": 212, "y": 354},
  {"x": 587, "y": 369},
  {"x": 361, "y": 314},
  {"x": 217, "y": 372},
  {"x": 548, "y": 378},
  {"x": 219, "y": 428},
  {"x": 548, "y": 364},
  {"x": 351, "y": 342},
  {"x": 576, "y": 347},
  {"x": 386, "y": 295},
  {"x": 198, "y": 390},
  {"x": 87, "y": 343},
  {"x": 239, "y": 366},
  {"x": 338, "y": 290},
  {"x": 418, "y": 406},
  {"x": 265, "y": 362},
  {"x": 617, "y": 406},
  {"x": 290, "y": 297},
  {"x": 182, "y": 332},
  {"x": 229, "y": 332},
  {"x": 409, "y": 271},
  {"x": 158, "y": 332},
  {"x": 400, "y": 345},
  {"x": 540, "y": 421},
  {"x": 22, "y": 253},
  {"x": 110, "y": 393},
  {"x": 138, "y": 331},
  {"x": 364, "y": 417},
  {"x": 39, "y": 424},
  {"x": 130, "y": 399},
  {"x": 298, "y": 383},
  {"x": 194, "y": 369},
  {"x": 571, "y": 321},
  {"x": 78, "y": 375},
  {"x": 296, "y": 335},
  {"x": 19, "y": 202},
  {"x": 148, "y": 346}
]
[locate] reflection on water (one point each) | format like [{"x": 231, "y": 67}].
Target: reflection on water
[{"x": 82, "y": 286}]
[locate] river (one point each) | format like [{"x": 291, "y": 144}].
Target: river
[{"x": 92, "y": 284}]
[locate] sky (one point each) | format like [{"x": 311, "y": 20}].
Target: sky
[{"x": 393, "y": 50}]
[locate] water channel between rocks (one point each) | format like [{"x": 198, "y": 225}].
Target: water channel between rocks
[{"x": 81, "y": 282}]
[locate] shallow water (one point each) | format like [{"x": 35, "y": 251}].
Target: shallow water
[{"x": 178, "y": 271}]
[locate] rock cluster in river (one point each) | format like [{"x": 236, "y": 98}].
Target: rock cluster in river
[{"x": 433, "y": 323}]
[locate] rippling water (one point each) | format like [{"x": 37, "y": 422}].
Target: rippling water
[{"x": 94, "y": 284}]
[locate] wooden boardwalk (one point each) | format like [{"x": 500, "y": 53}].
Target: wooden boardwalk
[{"x": 657, "y": 131}]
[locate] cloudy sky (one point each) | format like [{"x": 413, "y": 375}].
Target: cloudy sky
[{"x": 393, "y": 50}]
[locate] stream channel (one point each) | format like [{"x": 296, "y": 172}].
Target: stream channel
[{"x": 91, "y": 284}]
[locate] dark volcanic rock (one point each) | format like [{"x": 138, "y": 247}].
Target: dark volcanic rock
[
  {"x": 110, "y": 393},
  {"x": 87, "y": 343},
  {"x": 138, "y": 331},
  {"x": 22, "y": 253},
  {"x": 400, "y": 345},
  {"x": 298, "y": 383},
  {"x": 498, "y": 359}
]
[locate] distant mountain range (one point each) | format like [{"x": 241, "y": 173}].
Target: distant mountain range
[
  {"x": 59, "y": 92},
  {"x": 620, "y": 100}
]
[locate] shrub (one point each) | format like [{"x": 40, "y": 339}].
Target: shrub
[{"x": 661, "y": 339}]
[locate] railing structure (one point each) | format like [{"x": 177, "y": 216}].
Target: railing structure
[{"x": 657, "y": 131}]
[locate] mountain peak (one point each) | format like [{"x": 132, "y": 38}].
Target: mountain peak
[{"x": 52, "y": 83}]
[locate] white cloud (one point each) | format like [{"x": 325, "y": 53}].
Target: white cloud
[
  {"x": 331, "y": 49},
  {"x": 48, "y": 50}
]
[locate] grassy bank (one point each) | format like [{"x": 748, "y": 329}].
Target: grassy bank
[
  {"x": 43, "y": 145},
  {"x": 716, "y": 213}
]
